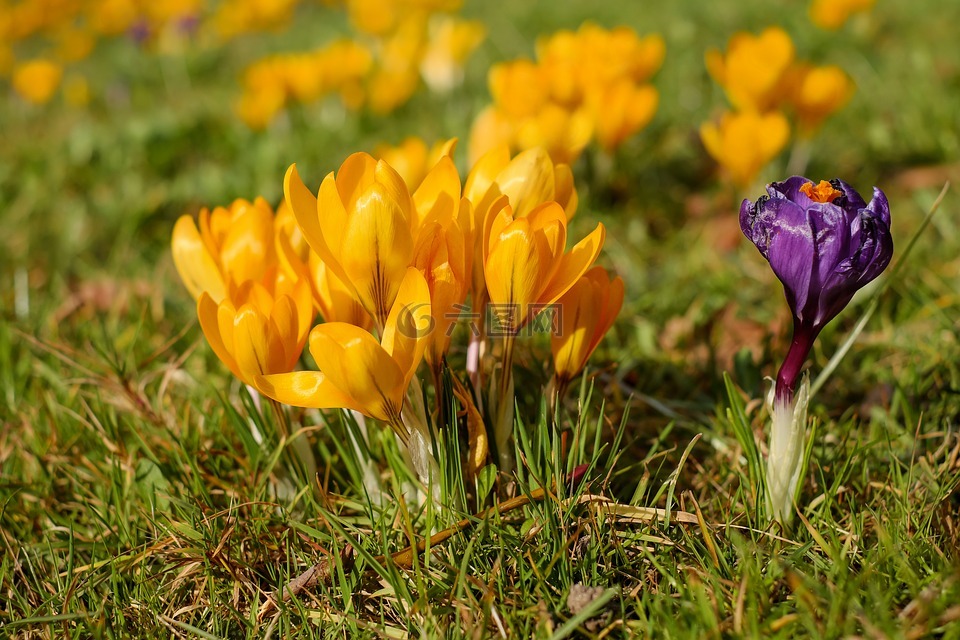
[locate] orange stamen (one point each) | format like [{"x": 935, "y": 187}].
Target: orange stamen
[{"x": 823, "y": 192}]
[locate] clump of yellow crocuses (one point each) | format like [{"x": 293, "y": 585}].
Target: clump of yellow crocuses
[
  {"x": 591, "y": 84},
  {"x": 765, "y": 83},
  {"x": 395, "y": 45},
  {"x": 391, "y": 271}
]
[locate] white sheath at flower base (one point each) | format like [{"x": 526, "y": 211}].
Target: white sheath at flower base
[{"x": 785, "y": 455}]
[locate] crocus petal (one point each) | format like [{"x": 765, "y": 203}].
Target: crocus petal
[
  {"x": 483, "y": 175},
  {"x": 868, "y": 261},
  {"x": 377, "y": 250},
  {"x": 306, "y": 312},
  {"x": 790, "y": 189},
  {"x": 283, "y": 323},
  {"x": 550, "y": 220},
  {"x": 355, "y": 176},
  {"x": 308, "y": 211},
  {"x": 831, "y": 236},
  {"x": 528, "y": 180},
  {"x": 790, "y": 250},
  {"x": 566, "y": 192},
  {"x": 247, "y": 249},
  {"x": 438, "y": 195},
  {"x": 310, "y": 389},
  {"x": 878, "y": 205},
  {"x": 289, "y": 260},
  {"x": 579, "y": 315},
  {"x": 396, "y": 189},
  {"x": 409, "y": 325},
  {"x": 611, "y": 304},
  {"x": 514, "y": 261},
  {"x": 573, "y": 265},
  {"x": 257, "y": 350},
  {"x": 208, "y": 312},
  {"x": 197, "y": 268},
  {"x": 356, "y": 364}
]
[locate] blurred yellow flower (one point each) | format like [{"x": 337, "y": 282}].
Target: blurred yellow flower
[
  {"x": 168, "y": 11},
  {"x": 832, "y": 14},
  {"x": 744, "y": 141},
  {"x": 374, "y": 17},
  {"x": 563, "y": 133},
  {"x": 587, "y": 83},
  {"x": 236, "y": 17},
  {"x": 519, "y": 88},
  {"x": 620, "y": 110},
  {"x": 387, "y": 90},
  {"x": 274, "y": 81},
  {"x": 754, "y": 69},
  {"x": 586, "y": 312},
  {"x": 257, "y": 330},
  {"x": 397, "y": 75},
  {"x": 356, "y": 371},
  {"x": 412, "y": 159},
  {"x": 450, "y": 42},
  {"x": 490, "y": 129},
  {"x": 588, "y": 60},
  {"x": 817, "y": 93},
  {"x": 231, "y": 246},
  {"x": 36, "y": 80}
]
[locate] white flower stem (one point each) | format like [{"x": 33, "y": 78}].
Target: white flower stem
[{"x": 785, "y": 452}]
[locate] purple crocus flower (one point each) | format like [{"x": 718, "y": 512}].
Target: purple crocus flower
[{"x": 824, "y": 243}]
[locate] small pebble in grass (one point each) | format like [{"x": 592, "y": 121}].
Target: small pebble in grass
[
  {"x": 824, "y": 243},
  {"x": 580, "y": 597}
]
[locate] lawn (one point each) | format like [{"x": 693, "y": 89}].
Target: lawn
[{"x": 147, "y": 492}]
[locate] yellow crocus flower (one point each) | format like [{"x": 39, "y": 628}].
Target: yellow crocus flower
[
  {"x": 356, "y": 371},
  {"x": 818, "y": 92},
  {"x": 364, "y": 222},
  {"x": 754, "y": 68},
  {"x": 743, "y": 142},
  {"x": 832, "y": 14},
  {"x": 232, "y": 245},
  {"x": 492, "y": 128},
  {"x": 586, "y": 313},
  {"x": 413, "y": 159},
  {"x": 36, "y": 80},
  {"x": 520, "y": 88},
  {"x": 451, "y": 41},
  {"x": 524, "y": 262},
  {"x": 373, "y": 17},
  {"x": 526, "y": 181},
  {"x": 361, "y": 227},
  {"x": 621, "y": 110},
  {"x": 256, "y": 331},
  {"x": 562, "y": 132}
]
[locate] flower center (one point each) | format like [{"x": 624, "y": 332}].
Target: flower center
[{"x": 823, "y": 192}]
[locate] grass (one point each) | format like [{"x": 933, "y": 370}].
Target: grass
[{"x": 136, "y": 500}]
